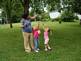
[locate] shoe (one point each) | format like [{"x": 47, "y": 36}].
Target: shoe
[
  {"x": 46, "y": 49},
  {"x": 36, "y": 51},
  {"x": 28, "y": 51},
  {"x": 49, "y": 48}
]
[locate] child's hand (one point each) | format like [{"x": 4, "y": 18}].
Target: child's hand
[{"x": 39, "y": 32}]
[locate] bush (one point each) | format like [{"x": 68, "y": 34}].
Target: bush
[
  {"x": 68, "y": 16},
  {"x": 67, "y": 19},
  {"x": 15, "y": 19},
  {"x": 45, "y": 17}
]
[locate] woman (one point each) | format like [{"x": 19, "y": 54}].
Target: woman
[{"x": 27, "y": 32}]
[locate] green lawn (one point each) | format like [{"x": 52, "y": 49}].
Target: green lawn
[{"x": 65, "y": 42}]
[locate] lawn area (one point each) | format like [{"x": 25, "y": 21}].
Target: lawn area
[{"x": 65, "y": 42}]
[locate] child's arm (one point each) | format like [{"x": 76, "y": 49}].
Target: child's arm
[{"x": 50, "y": 31}]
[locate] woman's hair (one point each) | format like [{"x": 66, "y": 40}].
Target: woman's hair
[{"x": 25, "y": 16}]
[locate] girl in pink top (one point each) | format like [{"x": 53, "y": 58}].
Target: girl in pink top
[
  {"x": 46, "y": 38},
  {"x": 36, "y": 33}
]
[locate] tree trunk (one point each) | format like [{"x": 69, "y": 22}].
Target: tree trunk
[
  {"x": 26, "y": 7},
  {"x": 80, "y": 21},
  {"x": 9, "y": 12},
  {"x": 10, "y": 22},
  {"x": 11, "y": 25},
  {"x": 60, "y": 21}
]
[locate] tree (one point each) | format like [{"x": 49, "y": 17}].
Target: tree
[
  {"x": 6, "y": 6},
  {"x": 53, "y": 4},
  {"x": 25, "y": 4},
  {"x": 10, "y": 8},
  {"x": 37, "y": 6},
  {"x": 76, "y": 6}
]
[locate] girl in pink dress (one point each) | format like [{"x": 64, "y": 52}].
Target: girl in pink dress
[{"x": 46, "y": 39}]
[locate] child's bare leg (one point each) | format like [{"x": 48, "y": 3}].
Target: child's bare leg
[{"x": 48, "y": 47}]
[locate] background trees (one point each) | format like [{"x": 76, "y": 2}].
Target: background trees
[{"x": 13, "y": 9}]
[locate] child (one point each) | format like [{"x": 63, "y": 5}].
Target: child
[
  {"x": 36, "y": 33},
  {"x": 46, "y": 38}
]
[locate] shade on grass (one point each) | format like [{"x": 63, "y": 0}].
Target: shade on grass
[{"x": 65, "y": 42}]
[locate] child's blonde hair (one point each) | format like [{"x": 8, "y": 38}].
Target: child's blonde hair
[{"x": 46, "y": 28}]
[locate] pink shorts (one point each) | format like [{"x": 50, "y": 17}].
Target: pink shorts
[{"x": 46, "y": 41}]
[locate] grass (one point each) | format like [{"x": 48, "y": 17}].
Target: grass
[{"x": 65, "y": 42}]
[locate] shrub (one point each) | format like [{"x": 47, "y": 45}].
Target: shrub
[{"x": 67, "y": 16}]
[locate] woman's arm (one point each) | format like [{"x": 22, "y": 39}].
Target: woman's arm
[
  {"x": 23, "y": 24},
  {"x": 32, "y": 17}
]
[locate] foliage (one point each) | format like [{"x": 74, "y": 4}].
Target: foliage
[
  {"x": 10, "y": 9},
  {"x": 37, "y": 6},
  {"x": 45, "y": 17},
  {"x": 76, "y": 6},
  {"x": 67, "y": 16},
  {"x": 53, "y": 4},
  {"x": 13, "y": 9}
]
